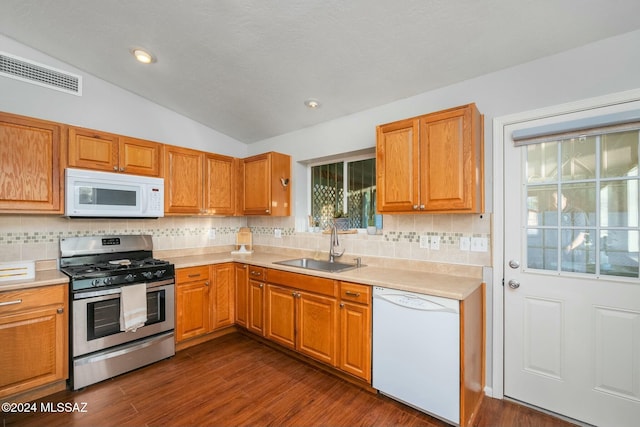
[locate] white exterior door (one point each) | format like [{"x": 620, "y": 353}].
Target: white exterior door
[{"x": 571, "y": 277}]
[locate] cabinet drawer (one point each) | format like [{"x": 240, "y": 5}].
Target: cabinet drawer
[
  {"x": 257, "y": 273},
  {"x": 32, "y": 297},
  {"x": 355, "y": 292},
  {"x": 192, "y": 274},
  {"x": 318, "y": 285}
]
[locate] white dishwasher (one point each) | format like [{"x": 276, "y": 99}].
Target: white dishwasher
[{"x": 416, "y": 351}]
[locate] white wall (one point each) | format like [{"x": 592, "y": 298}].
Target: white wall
[
  {"x": 106, "y": 107},
  {"x": 607, "y": 66}
]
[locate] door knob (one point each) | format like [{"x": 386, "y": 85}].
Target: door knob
[
  {"x": 514, "y": 284},
  {"x": 514, "y": 264}
]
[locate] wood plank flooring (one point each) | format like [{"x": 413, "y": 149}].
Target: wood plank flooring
[{"x": 237, "y": 381}]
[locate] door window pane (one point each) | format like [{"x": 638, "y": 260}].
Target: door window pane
[
  {"x": 586, "y": 220},
  {"x": 619, "y": 154}
]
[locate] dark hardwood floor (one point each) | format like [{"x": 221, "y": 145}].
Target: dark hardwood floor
[{"x": 237, "y": 381}]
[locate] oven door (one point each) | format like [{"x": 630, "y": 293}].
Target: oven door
[{"x": 96, "y": 317}]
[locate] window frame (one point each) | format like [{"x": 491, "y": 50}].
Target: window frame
[{"x": 346, "y": 159}]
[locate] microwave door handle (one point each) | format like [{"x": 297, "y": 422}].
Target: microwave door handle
[{"x": 144, "y": 202}]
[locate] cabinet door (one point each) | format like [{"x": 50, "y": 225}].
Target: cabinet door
[
  {"x": 397, "y": 166},
  {"x": 355, "y": 339},
  {"x": 35, "y": 339},
  {"x": 140, "y": 157},
  {"x": 223, "y": 300},
  {"x": 30, "y": 165},
  {"x": 91, "y": 149},
  {"x": 220, "y": 188},
  {"x": 280, "y": 315},
  {"x": 257, "y": 185},
  {"x": 255, "y": 315},
  {"x": 450, "y": 163},
  {"x": 192, "y": 309},
  {"x": 183, "y": 180},
  {"x": 242, "y": 293},
  {"x": 317, "y": 327}
]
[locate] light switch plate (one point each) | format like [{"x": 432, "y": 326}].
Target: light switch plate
[
  {"x": 465, "y": 243},
  {"x": 424, "y": 242},
  {"x": 479, "y": 244},
  {"x": 212, "y": 234},
  {"x": 277, "y": 233}
]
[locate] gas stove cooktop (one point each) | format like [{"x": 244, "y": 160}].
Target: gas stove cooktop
[{"x": 99, "y": 261}]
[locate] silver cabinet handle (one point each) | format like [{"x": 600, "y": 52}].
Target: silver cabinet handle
[
  {"x": 352, "y": 294},
  {"x": 18, "y": 301},
  {"x": 60, "y": 310},
  {"x": 261, "y": 285},
  {"x": 514, "y": 284}
]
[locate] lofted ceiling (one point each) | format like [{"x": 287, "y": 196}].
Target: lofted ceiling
[{"x": 245, "y": 67}]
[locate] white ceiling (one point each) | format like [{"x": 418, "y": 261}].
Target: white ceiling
[{"x": 245, "y": 67}]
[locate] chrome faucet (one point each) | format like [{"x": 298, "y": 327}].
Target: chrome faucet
[{"x": 334, "y": 247}]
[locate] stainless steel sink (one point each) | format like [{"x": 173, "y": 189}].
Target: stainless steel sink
[{"x": 315, "y": 264}]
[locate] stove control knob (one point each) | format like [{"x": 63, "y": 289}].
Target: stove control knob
[
  {"x": 147, "y": 274},
  {"x": 159, "y": 273},
  {"x": 129, "y": 277},
  {"x": 95, "y": 282},
  {"x": 108, "y": 280}
]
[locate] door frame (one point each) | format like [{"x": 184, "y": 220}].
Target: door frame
[{"x": 499, "y": 138}]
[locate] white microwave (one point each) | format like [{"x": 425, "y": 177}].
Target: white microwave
[{"x": 112, "y": 195}]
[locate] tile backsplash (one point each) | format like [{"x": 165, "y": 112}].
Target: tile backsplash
[{"x": 36, "y": 237}]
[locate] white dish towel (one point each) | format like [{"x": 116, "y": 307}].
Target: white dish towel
[{"x": 133, "y": 307}]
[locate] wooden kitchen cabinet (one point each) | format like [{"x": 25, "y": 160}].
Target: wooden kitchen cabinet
[
  {"x": 183, "y": 180},
  {"x": 193, "y": 313},
  {"x": 92, "y": 149},
  {"x": 34, "y": 357},
  {"x": 266, "y": 186},
  {"x": 432, "y": 163},
  {"x": 199, "y": 183},
  {"x": 256, "y": 300},
  {"x": 241, "y": 281},
  {"x": 223, "y": 297},
  {"x": 221, "y": 184},
  {"x": 355, "y": 330},
  {"x": 301, "y": 313},
  {"x": 31, "y": 165}
]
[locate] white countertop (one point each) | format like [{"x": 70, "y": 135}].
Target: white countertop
[
  {"x": 438, "y": 284},
  {"x": 445, "y": 283}
]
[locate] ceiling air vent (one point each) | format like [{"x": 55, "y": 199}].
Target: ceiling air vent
[{"x": 38, "y": 74}]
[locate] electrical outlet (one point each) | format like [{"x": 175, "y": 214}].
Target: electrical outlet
[
  {"x": 435, "y": 243},
  {"x": 465, "y": 243},
  {"x": 212, "y": 234},
  {"x": 479, "y": 244},
  {"x": 424, "y": 242},
  {"x": 277, "y": 233}
]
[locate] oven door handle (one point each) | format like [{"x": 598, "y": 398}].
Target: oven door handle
[{"x": 115, "y": 291}]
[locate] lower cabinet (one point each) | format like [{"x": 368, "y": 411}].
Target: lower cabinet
[
  {"x": 355, "y": 330},
  {"x": 192, "y": 302},
  {"x": 255, "y": 300},
  {"x": 34, "y": 335},
  {"x": 205, "y": 300}
]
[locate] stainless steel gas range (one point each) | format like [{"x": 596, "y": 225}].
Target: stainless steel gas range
[{"x": 114, "y": 279}]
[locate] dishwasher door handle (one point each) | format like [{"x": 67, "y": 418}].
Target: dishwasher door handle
[{"x": 415, "y": 303}]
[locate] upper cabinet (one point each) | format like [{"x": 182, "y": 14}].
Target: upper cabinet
[
  {"x": 91, "y": 149},
  {"x": 199, "y": 183},
  {"x": 30, "y": 165},
  {"x": 183, "y": 182},
  {"x": 266, "y": 189},
  {"x": 220, "y": 174},
  {"x": 432, "y": 163}
]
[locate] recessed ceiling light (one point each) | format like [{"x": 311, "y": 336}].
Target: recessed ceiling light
[
  {"x": 312, "y": 103},
  {"x": 143, "y": 56}
]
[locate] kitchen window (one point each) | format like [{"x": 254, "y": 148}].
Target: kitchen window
[{"x": 344, "y": 189}]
